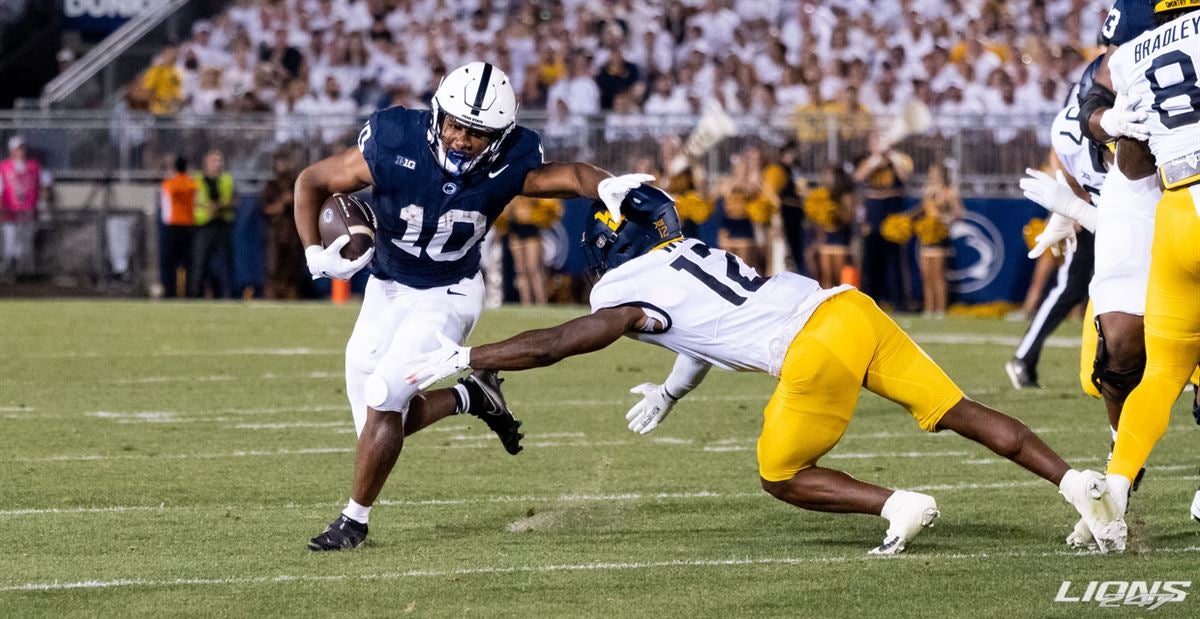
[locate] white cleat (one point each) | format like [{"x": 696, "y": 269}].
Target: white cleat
[
  {"x": 1081, "y": 538},
  {"x": 914, "y": 513},
  {"x": 1087, "y": 492},
  {"x": 1196, "y": 507}
]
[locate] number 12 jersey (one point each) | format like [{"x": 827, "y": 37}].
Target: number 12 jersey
[{"x": 709, "y": 305}]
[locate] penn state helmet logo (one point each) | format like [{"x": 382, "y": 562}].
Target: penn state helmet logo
[{"x": 449, "y": 189}]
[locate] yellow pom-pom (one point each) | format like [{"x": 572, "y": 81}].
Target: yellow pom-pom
[
  {"x": 896, "y": 228},
  {"x": 930, "y": 230},
  {"x": 760, "y": 209},
  {"x": 693, "y": 208},
  {"x": 545, "y": 212},
  {"x": 1032, "y": 230},
  {"x": 820, "y": 209}
]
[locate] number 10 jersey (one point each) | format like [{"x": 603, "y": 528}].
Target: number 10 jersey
[{"x": 710, "y": 305}]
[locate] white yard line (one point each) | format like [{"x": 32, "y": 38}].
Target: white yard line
[
  {"x": 505, "y": 499},
  {"x": 548, "y": 569},
  {"x": 1011, "y": 341},
  {"x": 231, "y": 352}
]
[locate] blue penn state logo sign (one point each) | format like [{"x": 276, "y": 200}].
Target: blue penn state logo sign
[{"x": 978, "y": 253}]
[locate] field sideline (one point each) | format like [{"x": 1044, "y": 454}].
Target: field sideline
[{"x": 174, "y": 458}]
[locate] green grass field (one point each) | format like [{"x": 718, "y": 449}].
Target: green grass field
[{"x": 173, "y": 459}]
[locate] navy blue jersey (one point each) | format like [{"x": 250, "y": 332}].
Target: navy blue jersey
[
  {"x": 1126, "y": 20},
  {"x": 430, "y": 222}
]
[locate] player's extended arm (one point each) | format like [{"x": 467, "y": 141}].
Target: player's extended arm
[
  {"x": 530, "y": 349},
  {"x": 581, "y": 180},
  {"x": 345, "y": 172},
  {"x": 658, "y": 400}
]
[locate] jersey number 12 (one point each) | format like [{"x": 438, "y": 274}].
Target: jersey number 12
[{"x": 707, "y": 270}]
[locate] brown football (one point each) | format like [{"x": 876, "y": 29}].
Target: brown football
[{"x": 344, "y": 214}]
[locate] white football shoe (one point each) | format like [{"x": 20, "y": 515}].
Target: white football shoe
[
  {"x": 1196, "y": 507},
  {"x": 1081, "y": 537},
  {"x": 910, "y": 513},
  {"x": 1087, "y": 492}
]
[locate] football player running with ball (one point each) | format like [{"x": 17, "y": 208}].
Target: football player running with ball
[
  {"x": 439, "y": 179},
  {"x": 711, "y": 309}
]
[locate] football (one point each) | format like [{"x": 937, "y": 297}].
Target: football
[{"x": 344, "y": 214}]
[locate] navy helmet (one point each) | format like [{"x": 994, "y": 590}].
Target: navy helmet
[
  {"x": 1086, "y": 80},
  {"x": 648, "y": 220}
]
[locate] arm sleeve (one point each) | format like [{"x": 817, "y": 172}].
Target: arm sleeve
[{"x": 686, "y": 375}]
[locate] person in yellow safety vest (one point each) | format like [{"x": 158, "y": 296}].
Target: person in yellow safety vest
[{"x": 212, "y": 247}]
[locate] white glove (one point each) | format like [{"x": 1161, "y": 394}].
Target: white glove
[
  {"x": 1123, "y": 120},
  {"x": 328, "y": 262},
  {"x": 1058, "y": 229},
  {"x": 655, "y": 406},
  {"x": 1056, "y": 196},
  {"x": 446, "y": 361},
  {"x": 612, "y": 190}
]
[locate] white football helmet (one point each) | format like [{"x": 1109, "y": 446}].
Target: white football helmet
[{"x": 480, "y": 96}]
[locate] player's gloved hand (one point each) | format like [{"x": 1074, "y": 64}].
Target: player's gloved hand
[
  {"x": 1123, "y": 120},
  {"x": 656, "y": 404},
  {"x": 444, "y": 362},
  {"x": 328, "y": 261},
  {"x": 1056, "y": 196},
  {"x": 1058, "y": 229},
  {"x": 612, "y": 190}
]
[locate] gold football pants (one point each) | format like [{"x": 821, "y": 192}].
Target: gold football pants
[{"x": 848, "y": 343}]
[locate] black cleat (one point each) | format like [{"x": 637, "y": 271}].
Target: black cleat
[
  {"x": 487, "y": 403},
  {"x": 1021, "y": 375},
  {"x": 1196, "y": 403},
  {"x": 341, "y": 534}
]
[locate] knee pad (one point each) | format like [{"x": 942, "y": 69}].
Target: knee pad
[
  {"x": 383, "y": 394},
  {"x": 1120, "y": 380}
]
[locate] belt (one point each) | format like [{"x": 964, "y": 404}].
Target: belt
[{"x": 1180, "y": 171}]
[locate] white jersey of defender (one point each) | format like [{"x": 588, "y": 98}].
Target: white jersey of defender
[
  {"x": 710, "y": 305},
  {"x": 1159, "y": 69},
  {"x": 1074, "y": 152}
]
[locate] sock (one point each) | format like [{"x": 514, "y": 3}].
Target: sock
[
  {"x": 462, "y": 398},
  {"x": 1118, "y": 486},
  {"x": 1067, "y": 477},
  {"x": 356, "y": 512}
]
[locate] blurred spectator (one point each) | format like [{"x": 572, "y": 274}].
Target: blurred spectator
[
  {"x": 281, "y": 54},
  {"x": 65, "y": 58},
  {"x": 615, "y": 77},
  {"x": 739, "y": 194},
  {"x": 212, "y": 245},
  {"x": 831, "y": 208},
  {"x": 287, "y": 276},
  {"x": 940, "y": 206},
  {"x": 883, "y": 174},
  {"x": 178, "y": 219},
  {"x": 23, "y": 182},
  {"x": 527, "y": 218},
  {"x": 578, "y": 90},
  {"x": 163, "y": 83}
]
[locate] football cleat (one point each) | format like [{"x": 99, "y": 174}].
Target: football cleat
[
  {"x": 1087, "y": 491},
  {"x": 918, "y": 513},
  {"x": 341, "y": 534},
  {"x": 1196, "y": 507},
  {"x": 1081, "y": 537},
  {"x": 1021, "y": 375},
  {"x": 1196, "y": 403},
  {"x": 487, "y": 403}
]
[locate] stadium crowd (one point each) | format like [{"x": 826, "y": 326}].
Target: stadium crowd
[{"x": 582, "y": 57}]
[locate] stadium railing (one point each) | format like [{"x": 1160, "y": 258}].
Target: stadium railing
[{"x": 989, "y": 153}]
